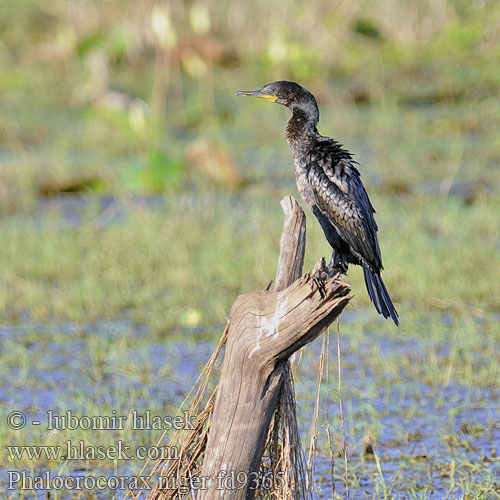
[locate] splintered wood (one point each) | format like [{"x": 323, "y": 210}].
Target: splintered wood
[
  {"x": 252, "y": 410},
  {"x": 265, "y": 328}
]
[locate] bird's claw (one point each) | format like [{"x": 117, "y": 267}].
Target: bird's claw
[
  {"x": 320, "y": 285},
  {"x": 319, "y": 277},
  {"x": 334, "y": 270},
  {"x": 337, "y": 267}
]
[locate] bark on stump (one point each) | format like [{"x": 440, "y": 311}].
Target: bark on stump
[{"x": 266, "y": 327}]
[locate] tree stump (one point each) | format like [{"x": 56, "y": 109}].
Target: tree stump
[{"x": 266, "y": 327}]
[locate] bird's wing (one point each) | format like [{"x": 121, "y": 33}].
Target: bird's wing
[{"x": 341, "y": 196}]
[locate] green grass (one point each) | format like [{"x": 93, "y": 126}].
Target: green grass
[
  {"x": 181, "y": 264},
  {"x": 90, "y": 296},
  {"x": 424, "y": 398},
  {"x": 154, "y": 265},
  {"x": 411, "y": 88}
]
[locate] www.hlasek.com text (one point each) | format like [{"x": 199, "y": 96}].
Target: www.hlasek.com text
[{"x": 83, "y": 451}]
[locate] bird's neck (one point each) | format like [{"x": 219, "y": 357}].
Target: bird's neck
[{"x": 302, "y": 124}]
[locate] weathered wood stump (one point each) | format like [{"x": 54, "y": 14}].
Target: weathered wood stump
[{"x": 266, "y": 327}]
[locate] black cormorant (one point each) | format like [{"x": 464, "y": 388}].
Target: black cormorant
[{"x": 329, "y": 182}]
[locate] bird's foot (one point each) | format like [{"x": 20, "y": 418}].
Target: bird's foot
[
  {"x": 334, "y": 270},
  {"x": 337, "y": 266},
  {"x": 319, "y": 277}
]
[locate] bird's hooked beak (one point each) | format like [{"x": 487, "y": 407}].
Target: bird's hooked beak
[{"x": 257, "y": 93}]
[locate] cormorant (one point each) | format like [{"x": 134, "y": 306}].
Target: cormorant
[{"x": 329, "y": 182}]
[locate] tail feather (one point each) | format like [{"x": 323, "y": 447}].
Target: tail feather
[{"x": 379, "y": 295}]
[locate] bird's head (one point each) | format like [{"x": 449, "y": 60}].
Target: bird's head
[{"x": 288, "y": 94}]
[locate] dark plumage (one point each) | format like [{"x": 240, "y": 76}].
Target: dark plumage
[{"x": 329, "y": 182}]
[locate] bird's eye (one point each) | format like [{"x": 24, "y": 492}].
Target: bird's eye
[{"x": 270, "y": 91}]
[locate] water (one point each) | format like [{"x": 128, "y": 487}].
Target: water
[
  {"x": 417, "y": 429},
  {"x": 431, "y": 437}
]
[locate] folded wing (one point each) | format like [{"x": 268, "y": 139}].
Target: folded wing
[{"x": 341, "y": 197}]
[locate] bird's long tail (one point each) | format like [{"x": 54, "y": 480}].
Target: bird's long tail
[{"x": 379, "y": 295}]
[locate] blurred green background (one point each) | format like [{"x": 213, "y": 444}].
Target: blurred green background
[
  {"x": 139, "y": 197},
  {"x": 133, "y": 103}
]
